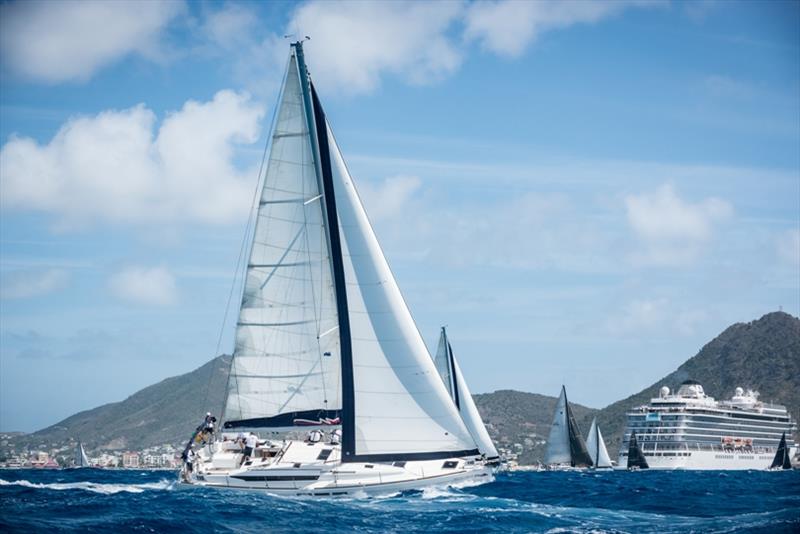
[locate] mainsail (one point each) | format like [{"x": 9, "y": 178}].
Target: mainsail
[
  {"x": 565, "y": 444},
  {"x": 324, "y": 333},
  {"x": 782, "y": 460},
  {"x": 635, "y": 455},
  {"x": 596, "y": 446},
  {"x": 81, "y": 460},
  {"x": 453, "y": 379}
]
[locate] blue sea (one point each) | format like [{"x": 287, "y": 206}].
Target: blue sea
[{"x": 93, "y": 500}]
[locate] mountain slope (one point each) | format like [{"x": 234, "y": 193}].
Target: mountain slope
[
  {"x": 763, "y": 355},
  {"x": 525, "y": 418},
  {"x": 166, "y": 412}
]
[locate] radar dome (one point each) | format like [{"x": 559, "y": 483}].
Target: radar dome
[
  {"x": 664, "y": 391},
  {"x": 739, "y": 392}
]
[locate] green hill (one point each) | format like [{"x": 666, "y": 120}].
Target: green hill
[
  {"x": 762, "y": 355},
  {"x": 166, "y": 412},
  {"x": 515, "y": 417}
]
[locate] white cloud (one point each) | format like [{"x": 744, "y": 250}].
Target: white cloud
[
  {"x": 390, "y": 198},
  {"x": 507, "y": 27},
  {"x": 53, "y": 41},
  {"x": 144, "y": 285},
  {"x": 657, "y": 315},
  {"x": 22, "y": 284},
  {"x": 353, "y": 43},
  {"x": 672, "y": 230},
  {"x": 116, "y": 167}
]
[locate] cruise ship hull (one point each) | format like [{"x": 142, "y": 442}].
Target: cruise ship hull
[{"x": 706, "y": 460}]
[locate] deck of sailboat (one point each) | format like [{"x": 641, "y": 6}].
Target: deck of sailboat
[{"x": 315, "y": 469}]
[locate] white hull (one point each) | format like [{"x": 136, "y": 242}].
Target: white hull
[
  {"x": 295, "y": 470},
  {"x": 707, "y": 460}
]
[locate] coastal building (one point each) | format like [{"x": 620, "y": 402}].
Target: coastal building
[{"x": 130, "y": 460}]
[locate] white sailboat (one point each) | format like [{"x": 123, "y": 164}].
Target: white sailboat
[
  {"x": 324, "y": 340},
  {"x": 453, "y": 379},
  {"x": 597, "y": 447},
  {"x": 81, "y": 460},
  {"x": 565, "y": 446}
]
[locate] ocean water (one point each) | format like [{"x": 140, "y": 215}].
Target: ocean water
[{"x": 92, "y": 500}]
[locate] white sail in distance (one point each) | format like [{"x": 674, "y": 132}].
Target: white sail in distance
[
  {"x": 453, "y": 378},
  {"x": 286, "y": 362},
  {"x": 558, "y": 449},
  {"x": 597, "y": 447}
]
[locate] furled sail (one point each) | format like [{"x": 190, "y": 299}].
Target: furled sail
[
  {"x": 636, "y": 457},
  {"x": 450, "y": 371},
  {"x": 565, "y": 444},
  {"x": 782, "y": 460},
  {"x": 596, "y": 446},
  {"x": 286, "y": 364}
]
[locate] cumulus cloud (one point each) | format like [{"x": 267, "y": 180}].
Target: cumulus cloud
[
  {"x": 507, "y": 27},
  {"x": 117, "y": 166},
  {"x": 53, "y": 41},
  {"x": 390, "y": 198},
  {"x": 672, "y": 230},
  {"x": 143, "y": 285},
  {"x": 22, "y": 284},
  {"x": 353, "y": 43}
]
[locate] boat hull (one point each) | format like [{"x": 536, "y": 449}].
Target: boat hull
[
  {"x": 708, "y": 460},
  {"x": 295, "y": 470}
]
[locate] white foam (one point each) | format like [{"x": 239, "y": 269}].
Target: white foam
[{"x": 94, "y": 487}]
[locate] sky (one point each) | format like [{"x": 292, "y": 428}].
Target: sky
[{"x": 585, "y": 193}]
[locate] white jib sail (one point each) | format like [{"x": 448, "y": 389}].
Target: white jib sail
[
  {"x": 558, "y": 450},
  {"x": 401, "y": 405},
  {"x": 463, "y": 398},
  {"x": 286, "y": 358},
  {"x": 596, "y": 446}
]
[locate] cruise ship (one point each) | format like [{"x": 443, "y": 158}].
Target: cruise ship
[{"x": 690, "y": 430}]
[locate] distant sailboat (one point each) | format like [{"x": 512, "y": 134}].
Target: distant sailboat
[
  {"x": 596, "y": 446},
  {"x": 81, "y": 460},
  {"x": 636, "y": 459},
  {"x": 325, "y": 341},
  {"x": 565, "y": 446},
  {"x": 454, "y": 381},
  {"x": 782, "y": 460}
]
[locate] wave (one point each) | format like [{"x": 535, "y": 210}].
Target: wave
[{"x": 94, "y": 487}]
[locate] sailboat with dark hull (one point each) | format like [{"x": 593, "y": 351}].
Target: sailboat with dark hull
[
  {"x": 565, "y": 446},
  {"x": 325, "y": 341},
  {"x": 636, "y": 458},
  {"x": 782, "y": 460}
]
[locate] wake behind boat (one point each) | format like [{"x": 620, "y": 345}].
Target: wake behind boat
[{"x": 325, "y": 342}]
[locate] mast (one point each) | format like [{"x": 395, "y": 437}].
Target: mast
[{"x": 315, "y": 119}]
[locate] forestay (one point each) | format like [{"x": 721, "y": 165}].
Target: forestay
[{"x": 286, "y": 364}]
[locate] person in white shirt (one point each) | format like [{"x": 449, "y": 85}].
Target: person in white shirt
[
  {"x": 336, "y": 437},
  {"x": 314, "y": 436},
  {"x": 250, "y": 443}
]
